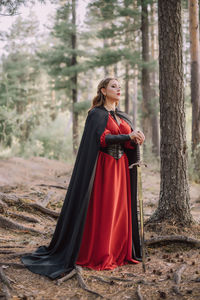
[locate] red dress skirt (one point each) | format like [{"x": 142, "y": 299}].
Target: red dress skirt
[{"x": 107, "y": 237}]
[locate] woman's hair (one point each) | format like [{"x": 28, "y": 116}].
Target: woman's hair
[{"x": 99, "y": 99}]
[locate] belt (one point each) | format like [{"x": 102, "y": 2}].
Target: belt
[{"x": 115, "y": 150}]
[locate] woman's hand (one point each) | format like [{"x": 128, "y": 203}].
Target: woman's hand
[{"x": 137, "y": 136}]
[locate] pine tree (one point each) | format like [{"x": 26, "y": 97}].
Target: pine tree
[
  {"x": 174, "y": 192},
  {"x": 195, "y": 73},
  {"x": 61, "y": 59},
  {"x": 18, "y": 79}
]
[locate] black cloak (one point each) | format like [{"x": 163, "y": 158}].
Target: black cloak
[{"x": 61, "y": 254}]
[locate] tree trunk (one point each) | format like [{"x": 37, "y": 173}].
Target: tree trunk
[
  {"x": 146, "y": 92},
  {"x": 195, "y": 85},
  {"x": 74, "y": 81},
  {"x": 174, "y": 193},
  {"x": 135, "y": 96},
  {"x": 155, "y": 118},
  {"x": 127, "y": 88}
]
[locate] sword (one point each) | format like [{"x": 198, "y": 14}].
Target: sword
[{"x": 138, "y": 164}]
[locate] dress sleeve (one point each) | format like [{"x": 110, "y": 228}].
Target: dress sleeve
[
  {"x": 107, "y": 138},
  {"x": 103, "y": 136}
]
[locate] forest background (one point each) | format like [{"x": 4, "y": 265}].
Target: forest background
[
  {"x": 48, "y": 77},
  {"x": 49, "y": 71}
]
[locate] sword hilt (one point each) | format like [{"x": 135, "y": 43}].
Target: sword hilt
[
  {"x": 137, "y": 153},
  {"x": 138, "y": 162}
]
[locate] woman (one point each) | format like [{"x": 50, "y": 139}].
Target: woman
[{"x": 98, "y": 226}]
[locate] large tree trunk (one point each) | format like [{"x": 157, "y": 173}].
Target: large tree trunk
[
  {"x": 195, "y": 85},
  {"x": 146, "y": 91},
  {"x": 74, "y": 81},
  {"x": 155, "y": 118},
  {"x": 174, "y": 193}
]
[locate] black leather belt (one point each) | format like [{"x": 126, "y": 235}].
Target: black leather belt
[{"x": 115, "y": 150}]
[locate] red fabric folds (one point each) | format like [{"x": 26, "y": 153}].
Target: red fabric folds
[{"x": 107, "y": 237}]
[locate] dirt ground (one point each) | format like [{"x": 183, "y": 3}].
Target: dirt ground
[{"x": 37, "y": 180}]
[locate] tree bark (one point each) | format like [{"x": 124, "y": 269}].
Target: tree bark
[
  {"x": 74, "y": 81},
  {"x": 195, "y": 85},
  {"x": 174, "y": 193},
  {"x": 146, "y": 91}
]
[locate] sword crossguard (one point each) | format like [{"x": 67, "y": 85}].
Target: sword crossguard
[{"x": 138, "y": 164}]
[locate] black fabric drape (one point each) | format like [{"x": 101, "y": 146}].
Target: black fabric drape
[{"x": 61, "y": 254}]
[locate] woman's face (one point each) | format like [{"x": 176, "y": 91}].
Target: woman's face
[{"x": 112, "y": 91}]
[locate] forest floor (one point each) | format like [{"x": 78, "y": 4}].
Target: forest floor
[{"x": 37, "y": 180}]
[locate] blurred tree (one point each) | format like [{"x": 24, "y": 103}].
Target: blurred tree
[
  {"x": 117, "y": 52},
  {"x": 18, "y": 77},
  {"x": 61, "y": 59},
  {"x": 10, "y": 7},
  {"x": 149, "y": 120},
  {"x": 154, "y": 80},
  {"x": 195, "y": 74},
  {"x": 174, "y": 192}
]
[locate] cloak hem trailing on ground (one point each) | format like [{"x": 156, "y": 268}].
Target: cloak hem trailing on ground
[{"x": 61, "y": 254}]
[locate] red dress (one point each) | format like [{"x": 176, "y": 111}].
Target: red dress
[{"x": 107, "y": 237}]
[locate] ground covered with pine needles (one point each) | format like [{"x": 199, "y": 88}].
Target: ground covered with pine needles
[{"x": 31, "y": 196}]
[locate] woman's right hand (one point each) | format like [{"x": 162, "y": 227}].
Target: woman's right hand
[{"x": 137, "y": 136}]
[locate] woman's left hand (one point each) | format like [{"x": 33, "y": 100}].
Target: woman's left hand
[{"x": 139, "y": 137}]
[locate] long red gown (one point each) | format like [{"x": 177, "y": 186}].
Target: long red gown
[{"x": 107, "y": 237}]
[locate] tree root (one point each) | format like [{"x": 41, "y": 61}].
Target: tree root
[
  {"x": 4, "y": 279},
  {"x": 102, "y": 279},
  {"x": 77, "y": 272},
  {"x": 15, "y": 254},
  {"x": 46, "y": 199},
  {"x": 13, "y": 200},
  {"x": 172, "y": 239},
  {"x": 6, "y": 285},
  {"x": 6, "y": 252},
  {"x": 177, "y": 279},
  {"x": 11, "y": 246},
  {"x": 7, "y": 223},
  {"x": 178, "y": 273},
  {"x": 66, "y": 277},
  {"x": 118, "y": 279},
  {"x": 23, "y": 217},
  {"x": 43, "y": 209},
  {"x": 84, "y": 286},
  {"x": 54, "y": 186},
  {"x": 12, "y": 264},
  {"x": 138, "y": 293}
]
